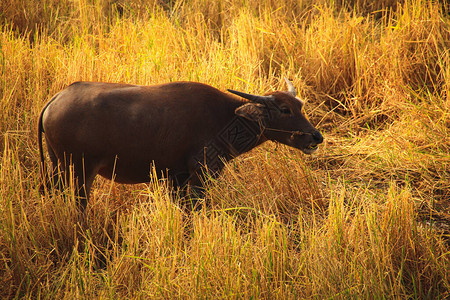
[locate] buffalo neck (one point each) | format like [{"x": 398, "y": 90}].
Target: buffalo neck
[{"x": 238, "y": 136}]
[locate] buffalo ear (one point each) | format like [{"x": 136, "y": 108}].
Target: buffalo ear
[{"x": 250, "y": 111}]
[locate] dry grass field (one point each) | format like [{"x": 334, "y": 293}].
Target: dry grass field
[{"x": 366, "y": 217}]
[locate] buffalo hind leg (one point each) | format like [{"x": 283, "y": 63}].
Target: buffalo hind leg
[
  {"x": 80, "y": 172},
  {"x": 57, "y": 178},
  {"x": 84, "y": 173}
]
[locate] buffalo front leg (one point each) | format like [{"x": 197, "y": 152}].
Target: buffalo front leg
[{"x": 195, "y": 188}]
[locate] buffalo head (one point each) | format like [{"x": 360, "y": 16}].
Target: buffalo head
[{"x": 281, "y": 118}]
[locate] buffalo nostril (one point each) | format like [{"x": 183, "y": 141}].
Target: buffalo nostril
[{"x": 318, "y": 138}]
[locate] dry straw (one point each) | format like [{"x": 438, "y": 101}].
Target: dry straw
[{"x": 365, "y": 217}]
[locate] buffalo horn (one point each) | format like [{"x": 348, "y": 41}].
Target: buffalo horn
[
  {"x": 291, "y": 88},
  {"x": 253, "y": 98}
]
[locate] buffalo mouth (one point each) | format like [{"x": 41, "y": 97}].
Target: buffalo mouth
[{"x": 310, "y": 149}]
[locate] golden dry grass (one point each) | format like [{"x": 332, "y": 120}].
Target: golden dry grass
[{"x": 366, "y": 217}]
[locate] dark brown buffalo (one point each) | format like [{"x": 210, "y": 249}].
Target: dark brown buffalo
[{"x": 183, "y": 129}]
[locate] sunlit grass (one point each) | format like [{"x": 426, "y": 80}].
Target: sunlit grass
[{"x": 365, "y": 217}]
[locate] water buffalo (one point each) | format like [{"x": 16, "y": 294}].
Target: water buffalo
[{"x": 183, "y": 129}]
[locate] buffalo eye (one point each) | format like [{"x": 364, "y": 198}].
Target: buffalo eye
[{"x": 285, "y": 110}]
